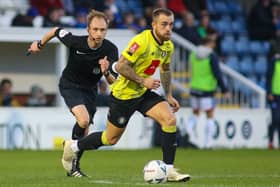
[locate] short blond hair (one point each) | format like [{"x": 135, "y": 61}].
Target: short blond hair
[
  {"x": 94, "y": 13},
  {"x": 159, "y": 11}
]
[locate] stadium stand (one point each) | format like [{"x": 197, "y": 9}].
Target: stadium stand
[
  {"x": 231, "y": 21},
  {"x": 228, "y": 17}
]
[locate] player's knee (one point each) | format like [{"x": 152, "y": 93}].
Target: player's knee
[
  {"x": 170, "y": 121},
  {"x": 83, "y": 123},
  {"x": 169, "y": 125},
  {"x": 112, "y": 141}
]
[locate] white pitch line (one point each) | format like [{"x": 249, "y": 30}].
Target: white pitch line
[
  {"x": 236, "y": 175},
  {"x": 120, "y": 183}
]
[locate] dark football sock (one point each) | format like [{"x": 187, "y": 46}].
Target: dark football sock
[
  {"x": 92, "y": 141},
  {"x": 78, "y": 132},
  {"x": 168, "y": 145}
]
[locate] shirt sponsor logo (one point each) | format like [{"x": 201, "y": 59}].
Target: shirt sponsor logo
[
  {"x": 62, "y": 33},
  {"x": 133, "y": 48},
  {"x": 152, "y": 68},
  {"x": 80, "y": 53}
]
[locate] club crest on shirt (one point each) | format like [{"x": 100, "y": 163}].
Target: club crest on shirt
[
  {"x": 133, "y": 48},
  {"x": 96, "y": 71},
  {"x": 163, "y": 53},
  {"x": 62, "y": 33},
  {"x": 121, "y": 120}
]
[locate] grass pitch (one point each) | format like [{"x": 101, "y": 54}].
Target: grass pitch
[{"x": 208, "y": 168}]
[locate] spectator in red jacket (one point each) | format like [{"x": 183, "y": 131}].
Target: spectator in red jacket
[{"x": 45, "y": 5}]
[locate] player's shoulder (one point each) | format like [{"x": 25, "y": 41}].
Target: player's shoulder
[{"x": 143, "y": 36}]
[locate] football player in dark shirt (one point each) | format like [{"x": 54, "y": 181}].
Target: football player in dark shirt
[{"x": 90, "y": 58}]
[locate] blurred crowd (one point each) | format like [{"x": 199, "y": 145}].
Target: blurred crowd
[
  {"x": 35, "y": 98},
  {"x": 193, "y": 19},
  {"x": 224, "y": 20},
  {"x": 123, "y": 14}
]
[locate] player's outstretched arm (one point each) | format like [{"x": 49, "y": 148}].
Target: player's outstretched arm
[
  {"x": 37, "y": 46},
  {"x": 124, "y": 68},
  {"x": 165, "y": 78}
]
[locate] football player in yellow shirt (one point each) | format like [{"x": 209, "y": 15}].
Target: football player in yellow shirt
[{"x": 132, "y": 92}]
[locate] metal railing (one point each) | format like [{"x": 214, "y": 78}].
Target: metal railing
[{"x": 244, "y": 92}]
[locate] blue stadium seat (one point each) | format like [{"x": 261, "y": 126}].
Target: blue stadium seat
[
  {"x": 232, "y": 62},
  {"x": 234, "y": 7},
  {"x": 260, "y": 66},
  {"x": 238, "y": 27},
  {"x": 246, "y": 66},
  {"x": 266, "y": 47},
  {"x": 243, "y": 37},
  {"x": 210, "y": 7},
  {"x": 225, "y": 17},
  {"x": 227, "y": 47},
  {"x": 229, "y": 37},
  {"x": 224, "y": 26},
  {"x": 221, "y": 7},
  {"x": 256, "y": 48},
  {"x": 242, "y": 47},
  {"x": 213, "y": 24},
  {"x": 262, "y": 82}
]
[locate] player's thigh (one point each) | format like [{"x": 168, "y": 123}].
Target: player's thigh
[
  {"x": 162, "y": 113},
  {"x": 113, "y": 133}
]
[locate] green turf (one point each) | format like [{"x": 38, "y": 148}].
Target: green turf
[{"x": 218, "y": 168}]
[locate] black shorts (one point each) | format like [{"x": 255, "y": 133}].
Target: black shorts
[
  {"x": 74, "y": 94},
  {"x": 121, "y": 110}
]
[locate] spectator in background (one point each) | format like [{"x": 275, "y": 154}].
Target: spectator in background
[
  {"x": 81, "y": 18},
  {"x": 52, "y": 19},
  {"x": 102, "y": 5},
  {"x": 205, "y": 77},
  {"x": 25, "y": 20},
  {"x": 6, "y": 96},
  {"x": 188, "y": 30},
  {"x": 102, "y": 98},
  {"x": 43, "y": 6},
  {"x": 111, "y": 17},
  {"x": 68, "y": 7},
  {"x": 141, "y": 24},
  {"x": 273, "y": 92},
  {"x": 87, "y": 4},
  {"x": 261, "y": 22},
  {"x": 149, "y": 6},
  {"x": 204, "y": 28},
  {"x": 128, "y": 22},
  {"x": 276, "y": 18},
  {"x": 37, "y": 97},
  {"x": 197, "y": 7},
  {"x": 177, "y": 6}
]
